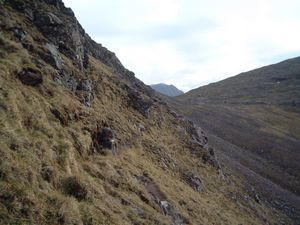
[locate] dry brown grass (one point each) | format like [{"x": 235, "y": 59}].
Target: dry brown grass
[{"x": 49, "y": 175}]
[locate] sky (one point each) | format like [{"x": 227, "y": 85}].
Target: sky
[{"x": 191, "y": 43}]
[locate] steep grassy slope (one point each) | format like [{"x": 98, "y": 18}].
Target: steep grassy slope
[
  {"x": 253, "y": 120},
  {"x": 274, "y": 84},
  {"x": 82, "y": 141}
]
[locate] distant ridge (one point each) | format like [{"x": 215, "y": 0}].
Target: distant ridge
[{"x": 169, "y": 90}]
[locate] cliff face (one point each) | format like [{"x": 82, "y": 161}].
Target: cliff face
[{"x": 82, "y": 141}]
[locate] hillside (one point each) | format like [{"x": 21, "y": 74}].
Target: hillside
[
  {"x": 253, "y": 122},
  {"x": 275, "y": 84},
  {"x": 169, "y": 90},
  {"x": 83, "y": 142}
]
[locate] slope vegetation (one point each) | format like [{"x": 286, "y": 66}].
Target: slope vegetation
[
  {"x": 253, "y": 120},
  {"x": 83, "y": 142}
]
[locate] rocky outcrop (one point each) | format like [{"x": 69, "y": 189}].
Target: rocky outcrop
[
  {"x": 85, "y": 85},
  {"x": 194, "y": 181},
  {"x": 136, "y": 100},
  {"x": 30, "y": 76},
  {"x": 65, "y": 79},
  {"x": 209, "y": 157},
  {"x": 85, "y": 92},
  {"x": 69, "y": 37},
  {"x": 196, "y": 133},
  {"x": 160, "y": 198},
  {"x": 53, "y": 56}
]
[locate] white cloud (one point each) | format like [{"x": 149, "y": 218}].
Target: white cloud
[{"x": 192, "y": 43}]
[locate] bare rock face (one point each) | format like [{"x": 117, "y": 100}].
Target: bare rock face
[
  {"x": 30, "y": 76},
  {"x": 45, "y": 20},
  {"x": 53, "y": 57},
  {"x": 85, "y": 91},
  {"x": 69, "y": 37}
]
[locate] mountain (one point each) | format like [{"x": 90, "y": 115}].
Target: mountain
[
  {"x": 83, "y": 142},
  {"x": 253, "y": 122},
  {"x": 169, "y": 90}
]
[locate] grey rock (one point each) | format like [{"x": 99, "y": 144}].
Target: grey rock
[
  {"x": 44, "y": 19},
  {"x": 139, "y": 103},
  {"x": 85, "y": 85},
  {"x": 19, "y": 33},
  {"x": 30, "y": 77},
  {"x": 194, "y": 181},
  {"x": 53, "y": 57},
  {"x": 165, "y": 207},
  {"x": 85, "y": 91},
  {"x": 141, "y": 127},
  {"x": 103, "y": 54},
  {"x": 66, "y": 80},
  {"x": 85, "y": 61},
  {"x": 210, "y": 158},
  {"x": 68, "y": 11},
  {"x": 196, "y": 133},
  {"x": 105, "y": 139},
  {"x": 29, "y": 13}
]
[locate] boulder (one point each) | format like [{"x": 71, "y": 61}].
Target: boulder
[
  {"x": 194, "y": 181},
  {"x": 85, "y": 85},
  {"x": 105, "y": 139},
  {"x": 30, "y": 76}
]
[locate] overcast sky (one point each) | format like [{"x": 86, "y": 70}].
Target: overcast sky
[{"x": 190, "y": 43}]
